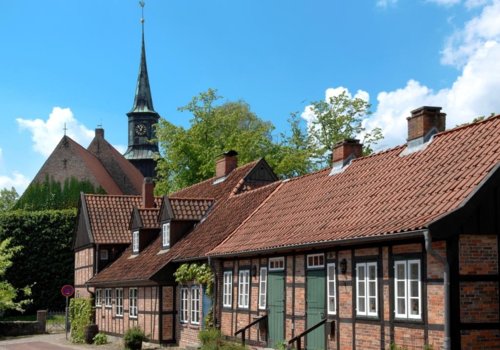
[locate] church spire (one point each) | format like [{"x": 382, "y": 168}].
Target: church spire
[
  {"x": 143, "y": 102},
  {"x": 142, "y": 148}
]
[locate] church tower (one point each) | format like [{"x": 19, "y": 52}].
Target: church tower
[{"x": 141, "y": 152}]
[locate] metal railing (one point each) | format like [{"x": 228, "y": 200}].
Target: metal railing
[
  {"x": 243, "y": 330},
  {"x": 298, "y": 338}
]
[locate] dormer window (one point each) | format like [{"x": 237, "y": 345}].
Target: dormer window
[
  {"x": 135, "y": 242},
  {"x": 166, "y": 235}
]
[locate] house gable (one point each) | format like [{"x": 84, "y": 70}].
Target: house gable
[{"x": 82, "y": 236}]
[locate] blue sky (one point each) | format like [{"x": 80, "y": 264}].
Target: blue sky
[{"x": 76, "y": 62}]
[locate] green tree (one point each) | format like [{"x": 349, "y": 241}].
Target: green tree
[
  {"x": 188, "y": 155},
  {"x": 8, "y": 198},
  {"x": 8, "y": 293},
  {"x": 337, "y": 119}
]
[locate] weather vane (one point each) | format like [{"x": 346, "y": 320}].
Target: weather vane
[{"x": 141, "y": 4}]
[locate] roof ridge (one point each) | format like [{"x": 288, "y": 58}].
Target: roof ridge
[
  {"x": 117, "y": 195},
  {"x": 468, "y": 125},
  {"x": 213, "y": 177},
  {"x": 258, "y": 189},
  {"x": 192, "y": 198}
]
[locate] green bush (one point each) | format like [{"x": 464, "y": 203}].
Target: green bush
[
  {"x": 46, "y": 261},
  {"x": 133, "y": 338},
  {"x": 211, "y": 339},
  {"x": 100, "y": 339},
  {"x": 80, "y": 313}
]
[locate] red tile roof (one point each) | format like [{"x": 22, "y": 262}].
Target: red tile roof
[
  {"x": 223, "y": 219},
  {"x": 96, "y": 168},
  {"x": 378, "y": 195},
  {"x": 190, "y": 209},
  {"x": 149, "y": 217},
  {"x": 109, "y": 216},
  {"x": 216, "y": 190}
]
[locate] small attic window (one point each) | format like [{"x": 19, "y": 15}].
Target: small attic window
[
  {"x": 135, "y": 242},
  {"x": 103, "y": 254},
  {"x": 219, "y": 180},
  {"x": 166, "y": 235}
]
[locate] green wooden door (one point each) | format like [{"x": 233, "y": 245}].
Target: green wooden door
[
  {"x": 276, "y": 307},
  {"x": 316, "y": 308}
]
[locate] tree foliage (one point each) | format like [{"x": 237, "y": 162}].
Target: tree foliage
[
  {"x": 80, "y": 314},
  {"x": 46, "y": 260},
  {"x": 188, "y": 154},
  {"x": 340, "y": 118},
  {"x": 9, "y": 295},
  {"x": 51, "y": 194},
  {"x": 8, "y": 198}
]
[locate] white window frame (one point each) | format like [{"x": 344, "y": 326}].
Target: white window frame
[
  {"x": 366, "y": 289},
  {"x": 108, "y": 297},
  {"x": 98, "y": 297},
  {"x": 135, "y": 242},
  {"x": 407, "y": 289},
  {"x": 103, "y": 254},
  {"x": 280, "y": 261},
  {"x": 244, "y": 289},
  {"x": 195, "y": 304},
  {"x": 331, "y": 289},
  {"x": 262, "y": 288},
  {"x": 133, "y": 310},
  {"x": 166, "y": 235},
  {"x": 184, "y": 306},
  {"x": 119, "y": 301},
  {"x": 227, "y": 291},
  {"x": 318, "y": 264}
]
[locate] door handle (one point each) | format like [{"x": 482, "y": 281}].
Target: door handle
[{"x": 322, "y": 315}]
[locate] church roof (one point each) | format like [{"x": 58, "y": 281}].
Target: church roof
[{"x": 143, "y": 102}]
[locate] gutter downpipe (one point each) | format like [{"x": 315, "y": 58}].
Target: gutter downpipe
[{"x": 446, "y": 282}]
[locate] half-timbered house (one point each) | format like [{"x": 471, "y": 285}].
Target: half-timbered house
[{"x": 400, "y": 247}]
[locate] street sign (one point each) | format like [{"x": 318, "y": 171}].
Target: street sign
[{"x": 67, "y": 290}]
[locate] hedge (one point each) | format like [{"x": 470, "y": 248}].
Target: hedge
[{"x": 46, "y": 260}]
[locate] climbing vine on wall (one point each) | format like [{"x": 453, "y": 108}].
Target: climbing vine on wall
[{"x": 201, "y": 274}]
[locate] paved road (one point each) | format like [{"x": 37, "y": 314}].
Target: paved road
[{"x": 51, "y": 342}]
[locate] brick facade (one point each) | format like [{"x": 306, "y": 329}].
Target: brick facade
[
  {"x": 84, "y": 270},
  {"x": 351, "y": 331}
]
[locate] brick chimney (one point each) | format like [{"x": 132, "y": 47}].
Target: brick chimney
[
  {"x": 346, "y": 150},
  {"x": 227, "y": 162},
  {"x": 99, "y": 132},
  {"x": 148, "y": 198},
  {"x": 423, "y": 123}
]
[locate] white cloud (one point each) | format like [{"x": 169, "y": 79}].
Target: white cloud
[
  {"x": 473, "y": 93},
  {"x": 46, "y": 134},
  {"x": 386, "y": 3},
  {"x": 464, "y": 43},
  {"x": 120, "y": 148},
  {"x": 470, "y": 4},
  {"x": 16, "y": 180},
  {"x": 445, "y": 2}
]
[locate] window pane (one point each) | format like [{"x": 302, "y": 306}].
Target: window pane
[
  {"x": 401, "y": 306},
  {"x": 361, "y": 272},
  {"x": 401, "y": 288},
  {"x": 361, "y": 304},
  {"x": 372, "y": 270},
  {"x": 414, "y": 289},
  {"x": 400, "y": 271},
  {"x": 331, "y": 305},
  {"x": 373, "y": 305},
  {"x": 372, "y": 288},
  {"x": 414, "y": 307},
  {"x": 414, "y": 271},
  {"x": 361, "y": 288}
]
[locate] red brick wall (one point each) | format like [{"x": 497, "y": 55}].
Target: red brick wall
[
  {"x": 480, "y": 339},
  {"x": 84, "y": 270},
  {"x": 147, "y": 319},
  {"x": 367, "y": 335},
  {"x": 479, "y": 302},
  {"x": 478, "y": 255}
]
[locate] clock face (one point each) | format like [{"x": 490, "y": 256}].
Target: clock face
[{"x": 140, "y": 129}]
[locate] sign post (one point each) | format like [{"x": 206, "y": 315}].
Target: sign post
[{"x": 67, "y": 291}]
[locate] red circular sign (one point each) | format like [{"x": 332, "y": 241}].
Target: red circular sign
[{"x": 67, "y": 290}]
